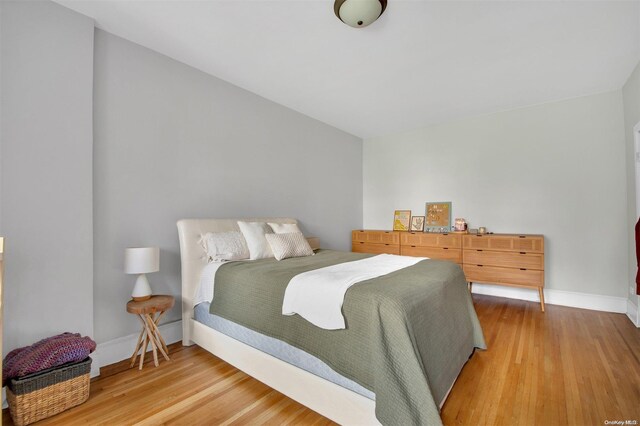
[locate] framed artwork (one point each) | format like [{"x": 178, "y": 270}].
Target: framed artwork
[
  {"x": 401, "y": 220},
  {"x": 438, "y": 217},
  {"x": 417, "y": 223}
]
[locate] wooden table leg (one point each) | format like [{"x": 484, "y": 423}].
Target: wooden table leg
[
  {"x": 541, "y": 292},
  {"x": 147, "y": 319},
  {"x": 143, "y": 349},
  {"x": 159, "y": 340},
  {"x": 150, "y": 335},
  {"x": 135, "y": 352},
  {"x": 146, "y": 342},
  {"x": 157, "y": 320}
]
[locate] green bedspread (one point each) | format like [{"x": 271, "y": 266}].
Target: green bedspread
[{"x": 408, "y": 333}]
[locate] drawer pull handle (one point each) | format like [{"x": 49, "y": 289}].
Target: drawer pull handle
[
  {"x": 386, "y": 232},
  {"x": 480, "y": 265},
  {"x": 445, "y": 234},
  {"x": 523, "y": 269},
  {"x": 413, "y": 246},
  {"x": 522, "y": 252},
  {"x": 445, "y": 248},
  {"x": 479, "y": 250},
  {"x": 522, "y": 236},
  {"x": 386, "y": 244},
  {"x": 361, "y": 242}
]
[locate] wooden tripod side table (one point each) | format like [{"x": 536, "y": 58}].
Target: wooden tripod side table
[{"x": 149, "y": 312}]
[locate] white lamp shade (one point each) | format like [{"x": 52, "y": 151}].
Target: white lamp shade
[{"x": 141, "y": 260}]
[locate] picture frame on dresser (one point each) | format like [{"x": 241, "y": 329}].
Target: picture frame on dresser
[
  {"x": 417, "y": 224},
  {"x": 438, "y": 216},
  {"x": 401, "y": 220}
]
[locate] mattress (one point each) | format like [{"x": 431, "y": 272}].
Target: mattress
[{"x": 276, "y": 348}]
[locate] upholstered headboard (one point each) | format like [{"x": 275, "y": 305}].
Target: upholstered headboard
[{"x": 193, "y": 260}]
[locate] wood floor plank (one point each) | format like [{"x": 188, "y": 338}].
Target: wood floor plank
[{"x": 565, "y": 366}]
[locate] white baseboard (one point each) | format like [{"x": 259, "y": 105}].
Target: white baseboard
[
  {"x": 633, "y": 313},
  {"x": 116, "y": 350},
  {"x": 594, "y": 302}
]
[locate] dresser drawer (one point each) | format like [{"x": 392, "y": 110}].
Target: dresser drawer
[
  {"x": 440, "y": 253},
  {"x": 498, "y": 275},
  {"x": 505, "y": 242},
  {"x": 422, "y": 239},
  {"x": 508, "y": 259},
  {"x": 528, "y": 243},
  {"x": 381, "y": 237},
  {"x": 374, "y": 248}
]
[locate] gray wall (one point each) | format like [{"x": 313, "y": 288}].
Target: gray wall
[
  {"x": 46, "y": 170},
  {"x": 172, "y": 142},
  {"x": 631, "y": 97},
  {"x": 555, "y": 169}
]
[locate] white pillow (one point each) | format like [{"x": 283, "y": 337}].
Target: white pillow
[
  {"x": 291, "y": 244},
  {"x": 253, "y": 233},
  {"x": 225, "y": 246},
  {"x": 284, "y": 228}
]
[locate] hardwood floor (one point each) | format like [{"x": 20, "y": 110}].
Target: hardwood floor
[{"x": 565, "y": 366}]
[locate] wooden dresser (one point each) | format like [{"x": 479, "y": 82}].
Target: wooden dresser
[
  {"x": 376, "y": 242},
  {"x": 505, "y": 259},
  {"x": 434, "y": 246}
]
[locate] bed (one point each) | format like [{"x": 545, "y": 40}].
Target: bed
[{"x": 347, "y": 395}]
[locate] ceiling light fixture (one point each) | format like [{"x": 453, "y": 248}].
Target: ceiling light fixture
[{"x": 359, "y": 13}]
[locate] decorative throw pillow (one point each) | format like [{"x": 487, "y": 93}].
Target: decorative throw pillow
[
  {"x": 254, "y": 234},
  {"x": 284, "y": 228},
  {"x": 291, "y": 244},
  {"x": 225, "y": 246}
]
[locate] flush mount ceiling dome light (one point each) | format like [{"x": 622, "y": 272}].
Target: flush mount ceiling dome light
[{"x": 359, "y": 13}]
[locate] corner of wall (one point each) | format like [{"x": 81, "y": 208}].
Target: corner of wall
[
  {"x": 631, "y": 113},
  {"x": 633, "y": 313}
]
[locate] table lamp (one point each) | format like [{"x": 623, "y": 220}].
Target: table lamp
[{"x": 141, "y": 260}]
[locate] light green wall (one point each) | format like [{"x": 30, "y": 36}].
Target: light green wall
[
  {"x": 631, "y": 99},
  {"x": 554, "y": 169}
]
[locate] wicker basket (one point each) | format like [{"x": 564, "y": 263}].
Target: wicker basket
[{"x": 49, "y": 392}]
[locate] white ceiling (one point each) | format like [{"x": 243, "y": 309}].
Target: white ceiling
[{"x": 421, "y": 63}]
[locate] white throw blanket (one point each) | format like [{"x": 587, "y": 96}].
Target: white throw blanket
[{"x": 317, "y": 295}]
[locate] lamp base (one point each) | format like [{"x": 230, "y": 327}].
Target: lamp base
[
  {"x": 142, "y": 289},
  {"x": 141, "y": 298}
]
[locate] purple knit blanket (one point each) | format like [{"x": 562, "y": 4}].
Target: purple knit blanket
[{"x": 47, "y": 353}]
